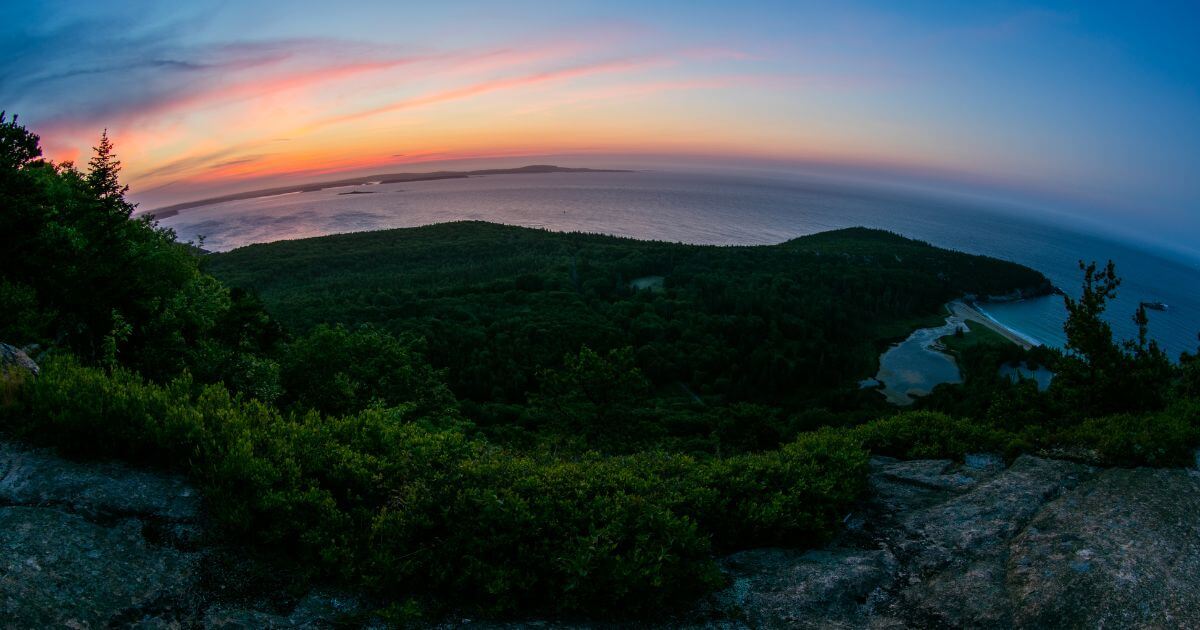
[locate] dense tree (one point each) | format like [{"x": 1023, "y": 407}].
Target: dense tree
[
  {"x": 338, "y": 371},
  {"x": 104, "y": 176},
  {"x": 602, "y": 400},
  {"x": 790, "y": 327},
  {"x": 78, "y": 270}
]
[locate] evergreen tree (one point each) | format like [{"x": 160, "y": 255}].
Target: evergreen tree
[
  {"x": 104, "y": 170},
  {"x": 1099, "y": 375}
]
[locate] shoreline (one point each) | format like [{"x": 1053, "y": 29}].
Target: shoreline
[{"x": 969, "y": 312}]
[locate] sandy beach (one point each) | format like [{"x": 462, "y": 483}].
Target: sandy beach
[{"x": 970, "y": 313}]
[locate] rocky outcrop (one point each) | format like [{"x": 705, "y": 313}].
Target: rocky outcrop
[
  {"x": 88, "y": 545},
  {"x": 828, "y": 588},
  {"x": 1041, "y": 543},
  {"x": 61, "y": 570},
  {"x": 13, "y": 357},
  {"x": 1121, "y": 552},
  {"x": 94, "y": 545}
]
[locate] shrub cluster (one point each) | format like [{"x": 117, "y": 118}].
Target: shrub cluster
[
  {"x": 926, "y": 435},
  {"x": 406, "y": 507},
  {"x": 1163, "y": 438}
]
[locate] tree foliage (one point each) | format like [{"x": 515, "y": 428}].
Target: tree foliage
[{"x": 81, "y": 273}]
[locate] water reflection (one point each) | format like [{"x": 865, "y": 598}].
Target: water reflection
[{"x": 915, "y": 366}]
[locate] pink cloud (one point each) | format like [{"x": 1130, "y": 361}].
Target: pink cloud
[
  {"x": 634, "y": 90},
  {"x": 497, "y": 85}
]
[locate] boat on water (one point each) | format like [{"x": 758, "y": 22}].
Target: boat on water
[{"x": 1155, "y": 306}]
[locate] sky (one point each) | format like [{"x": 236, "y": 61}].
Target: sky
[{"x": 1092, "y": 109}]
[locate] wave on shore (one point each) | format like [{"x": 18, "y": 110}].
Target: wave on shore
[{"x": 1034, "y": 341}]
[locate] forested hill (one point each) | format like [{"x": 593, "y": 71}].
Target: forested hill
[{"x": 778, "y": 325}]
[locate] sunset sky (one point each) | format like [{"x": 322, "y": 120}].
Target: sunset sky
[{"x": 1091, "y": 108}]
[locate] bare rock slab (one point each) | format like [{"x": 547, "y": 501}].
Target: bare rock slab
[
  {"x": 779, "y": 588},
  {"x": 97, "y": 490},
  {"x": 955, "y": 553},
  {"x": 60, "y": 570},
  {"x": 1121, "y": 551}
]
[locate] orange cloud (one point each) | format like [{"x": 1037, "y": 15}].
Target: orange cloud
[{"x": 225, "y": 127}]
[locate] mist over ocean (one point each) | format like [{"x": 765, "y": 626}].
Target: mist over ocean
[{"x": 733, "y": 210}]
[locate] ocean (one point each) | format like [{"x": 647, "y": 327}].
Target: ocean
[{"x": 717, "y": 209}]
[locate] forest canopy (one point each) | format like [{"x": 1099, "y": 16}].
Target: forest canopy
[{"x": 510, "y": 314}]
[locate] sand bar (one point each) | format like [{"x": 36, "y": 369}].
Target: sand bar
[{"x": 970, "y": 313}]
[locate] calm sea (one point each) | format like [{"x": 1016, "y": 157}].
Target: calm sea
[{"x": 727, "y": 210}]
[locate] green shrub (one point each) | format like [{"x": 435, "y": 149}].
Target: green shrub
[
  {"x": 90, "y": 412},
  {"x": 1165, "y": 438},
  {"x": 926, "y": 434},
  {"x": 794, "y": 496},
  {"x": 519, "y": 534},
  {"x": 384, "y": 499}
]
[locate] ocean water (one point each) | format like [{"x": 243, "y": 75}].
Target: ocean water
[{"x": 736, "y": 210}]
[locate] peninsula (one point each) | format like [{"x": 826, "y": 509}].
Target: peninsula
[{"x": 387, "y": 178}]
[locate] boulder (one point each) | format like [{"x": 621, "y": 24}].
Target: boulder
[
  {"x": 899, "y": 487},
  {"x": 13, "y": 357},
  {"x": 102, "y": 544},
  {"x": 974, "y": 522},
  {"x": 956, "y": 552},
  {"x": 932, "y": 550}
]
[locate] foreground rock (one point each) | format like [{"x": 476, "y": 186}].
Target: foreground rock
[
  {"x": 91, "y": 545},
  {"x": 1121, "y": 552},
  {"x": 1040, "y": 544},
  {"x": 94, "y": 545},
  {"x": 60, "y": 570},
  {"x": 835, "y": 588}
]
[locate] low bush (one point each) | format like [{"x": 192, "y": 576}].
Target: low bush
[
  {"x": 386, "y": 500},
  {"x": 927, "y": 434},
  {"x": 1165, "y": 438}
]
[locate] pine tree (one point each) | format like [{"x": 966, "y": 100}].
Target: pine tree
[
  {"x": 1106, "y": 376},
  {"x": 1089, "y": 337},
  {"x": 104, "y": 171}
]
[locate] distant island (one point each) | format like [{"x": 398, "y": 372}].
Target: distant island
[{"x": 388, "y": 178}]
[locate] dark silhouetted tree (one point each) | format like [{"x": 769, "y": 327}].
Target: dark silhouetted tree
[
  {"x": 104, "y": 176},
  {"x": 1099, "y": 375},
  {"x": 18, "y": 147}
]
